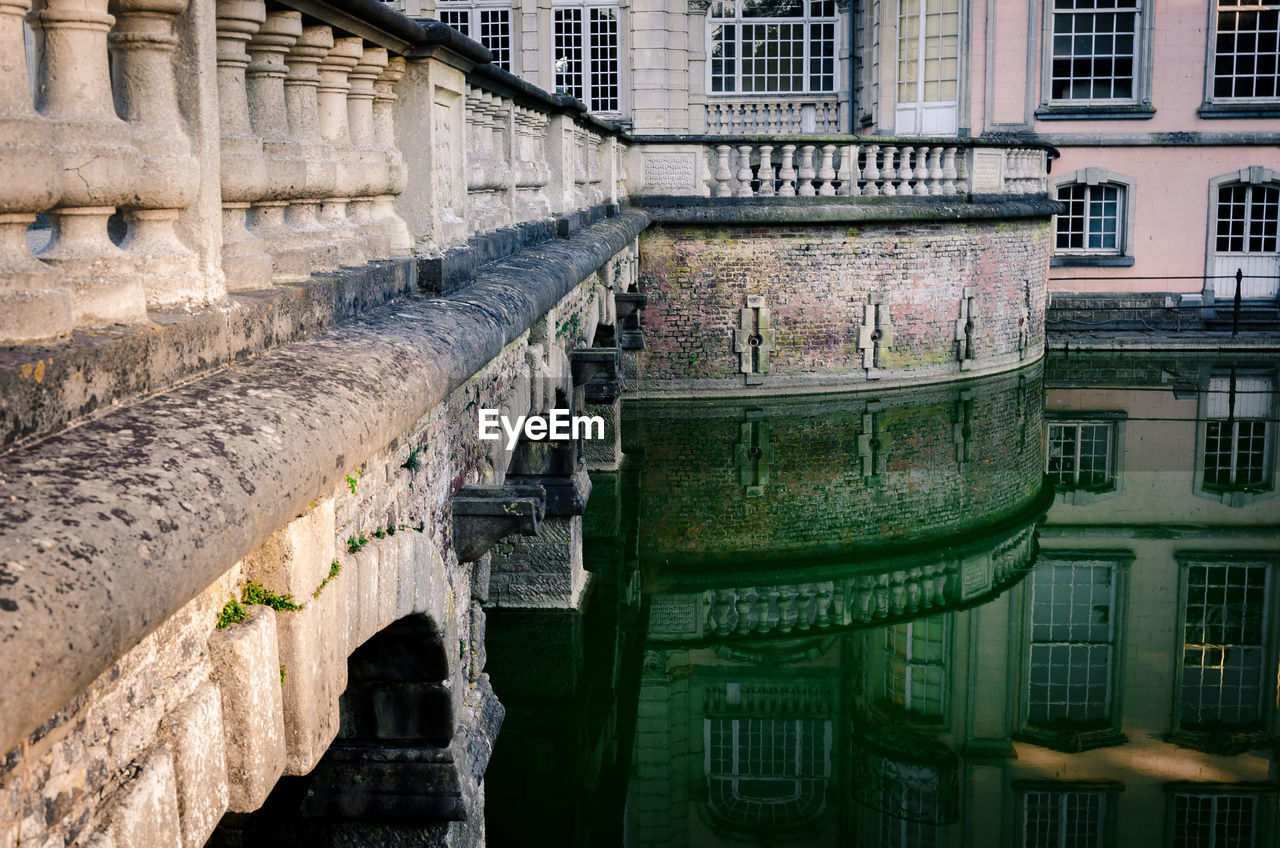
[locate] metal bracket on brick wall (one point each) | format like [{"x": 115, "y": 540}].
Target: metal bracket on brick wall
[
  {"x": 752, "y": 455},
  {"x": 868, "y": 443},
  {"x": 753, "y": 340},
  {"x": 962, "y": 427},
  {"x": 483, "y": 515},
  {"x": 875, "y": 335},
  {"x": 629, "y": 305},
  {"x": 966, "y": 329}
]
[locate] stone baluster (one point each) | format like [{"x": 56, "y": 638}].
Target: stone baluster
[
  {"x": 34, "y": 304},
  {"x": 913, "y": 593},
  {"x": 880, "y": 608},
  {"x": 722, "y": 174},
  {"x": 822, "y": 607},
  {"x": 921, "y": 172},
  {"x": 744, "y": 171},
  {"x": 806, "y": 172},
  {"x": 935, "y": 171},
  {"x": 245, "y": 261},
  {"x": 766, "y": 171},
  {"x": 849, "y": 173},
  {"x": 595, "y": 174},
  {"x": 373, "y": 167},
  {"x": 264, "y": 84},
  {"x": 399, "y": 239},
  {"x": 905, "y": 171},
  {"x": 787, "y": 173},
  {"x": 742, "y": 605},
  {"x": 142, "y": 47},
  {"x": 760, "y": 609},
  {"x": 335, "y": 128},
  {"x": 889, "y": 171},
  {"x": 787, "y": 610},
  {"x": 99, "y": 160},
  {"x": 871, "y": 173},
  {"x": 302, "y": 110},
  {"x": 949, "y": 173},
  {"x": 719, "y": 612},
  {"x": 827, "y": 173}
]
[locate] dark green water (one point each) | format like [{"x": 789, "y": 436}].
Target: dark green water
[{"x": 1034, "y": 610}]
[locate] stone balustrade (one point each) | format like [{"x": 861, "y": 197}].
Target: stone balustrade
[
  {"x": 235, "y": 145},
  {"x": 774, "y": 116},
  {"x": 843, "y": 166}
]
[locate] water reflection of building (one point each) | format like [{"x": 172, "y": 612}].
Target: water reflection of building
[{"x": 1123, "y": 690}]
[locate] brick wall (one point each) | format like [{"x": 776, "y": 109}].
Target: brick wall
[{"x": 816, "y": 281}]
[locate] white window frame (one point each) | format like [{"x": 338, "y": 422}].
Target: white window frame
[
  {"x": 472, "y": 13},
  {"x": 1122, "y": 253},
  {"x": 738, "y": 19},
  {"x": 1073, "y": 493},
  {"x": 1261, "y": 268},
  {"x": 922, "y": 111},
  {"x": 1179, "y": 821},
  {"x": 1257, "y": 401},
  {"x": 594, "y": 94},
  {"x": 900, "y": 689},
  {"x": 1263, "y": 650},
  {"x": 1217, "y": 8},
  {"x": 738, "y": 771},
  {"x": 1137, "y": 57},
  {"x": 1060, "y": 799}
]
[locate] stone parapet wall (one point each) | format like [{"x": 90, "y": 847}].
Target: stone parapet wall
[{"x": 846, "y": 305}]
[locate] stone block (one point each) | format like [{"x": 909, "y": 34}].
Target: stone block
[
  {"x": 431, "y": 582},
  {"x": 540, "y": 572},
  {"x": 145, "y": 812},
  {"x": 402, "y": 548},
  {"x": 309, "y": 691},
  {"x": 388, "y": 581},
  {"x": 296, "y": 558},
  {"x": 246, "y": 667},
  {"x": 195, "y": 735},
  {"x": 366, "y": 591}
]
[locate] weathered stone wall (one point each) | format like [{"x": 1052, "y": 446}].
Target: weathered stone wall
[
  {"x": 738, "y": 483},
  {"x": 194, "y": 720},
  {"x": 817, "y": 281}
]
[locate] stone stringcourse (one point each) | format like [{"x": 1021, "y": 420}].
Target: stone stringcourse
[{"x": 281, "y": 255}]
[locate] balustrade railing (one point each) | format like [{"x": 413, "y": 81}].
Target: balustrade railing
[
  {"x": 836, "y": 167},
  {"x": 288, "y": 147},
  {"x": 776, "y": 116}
]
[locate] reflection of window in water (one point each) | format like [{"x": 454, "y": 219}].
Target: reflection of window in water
[
  {"x": 1080, "y": 455},
  {"x": 1224, "y": 644},
  {"x": 912, "y": 791},
  {"x": 1063, "y": 819},
  {"x": 915, "y": 666},
  {"x": 1072, "y": 634},
  {"x": 1214, "y": 821},
  {"x": 1238, "y": 435},
  {"x": 767, "y": 771}
]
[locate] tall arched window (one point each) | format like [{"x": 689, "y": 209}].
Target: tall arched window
[{"x": 1246, "y": 218}]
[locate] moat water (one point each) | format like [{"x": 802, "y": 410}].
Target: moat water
[{"x": 1033, "y": 610}]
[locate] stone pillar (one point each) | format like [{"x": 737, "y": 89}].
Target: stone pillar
[
  {"x": 34, "y": 304},
  {"x": 400, "y": 241},
  {"x": 373, "y": 167},
  {"x": 286, "y": 170},
  {"x": 320, "y": 178},
  {"x": 335, "y": 128},
  {"x": 244, "y": 168},
  {"x": 143, "y": 46},
  {"x": 100, "y": 163}
]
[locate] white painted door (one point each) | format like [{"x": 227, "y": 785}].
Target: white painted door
[
  {"x": 1246, "y": 240},
  {"x": 928, "y": 67}
]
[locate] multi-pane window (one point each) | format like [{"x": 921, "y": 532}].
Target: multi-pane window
[
  {"x": 767, "y": 771},
  {"x": 1246, "y": 60},
  {"x": 1072, "y": 635},
  {"x": 772, "y": 46},
  {"x": 1215, "y": 821},
  {"x": 1238, "y": 434},
  {"x": 928, "y": 67},
  {"x": 1081, "y": 455},
  {"x": 1093, "y": 222},
  {"x": 1063, "y": 819},
  {"x": 586, "y": 54},
  {"x": 1094, "y": 49},
  {"x": 913, "y": 805},
  {"x": 486, "y": 23},
  {"x": 1224, "y": 644},
  {"x": 915, "y": 665},
  {"x": 1247, "y": 218}
]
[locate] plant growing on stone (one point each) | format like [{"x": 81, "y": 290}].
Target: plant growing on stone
[
  {"x": 355, "y": 543},
  {"x": 233, "y": 612},
  {"x": 335, "y": 568},
  {"x": 255, "y": 593},
  {"x": 412, "y": 463},
  {"x": 379, "y": 533},
  {"x": 353, "y": 483}
]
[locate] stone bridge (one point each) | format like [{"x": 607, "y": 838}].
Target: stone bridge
[{"x": 261, "y": 265}]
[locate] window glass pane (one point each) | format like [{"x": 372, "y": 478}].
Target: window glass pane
[
  {"x": 1069, "y": 678},
  {"x": 1093, "y": 50},
  {"x": 1246, "y": 50},
  {"x": 1223, "y": 644}
]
